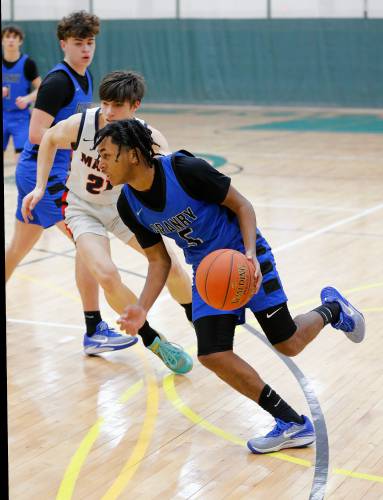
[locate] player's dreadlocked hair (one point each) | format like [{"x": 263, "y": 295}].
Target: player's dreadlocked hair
[{"x": 131, "y": 134}]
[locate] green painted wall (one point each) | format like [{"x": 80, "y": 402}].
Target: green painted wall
[{"x": 266, "y": 62}]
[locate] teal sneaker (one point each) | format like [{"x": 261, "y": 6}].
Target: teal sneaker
[{"x": 172, "y": 355}]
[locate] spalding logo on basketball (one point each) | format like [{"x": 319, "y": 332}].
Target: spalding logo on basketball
[{"x": 225, "y": 279}]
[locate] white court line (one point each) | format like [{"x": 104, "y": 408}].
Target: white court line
[
  {"x": 325, "y": 229},
  {"x": 304, "y": 207},
  {"x": 275, "y": 250},
  {"x": 44, "y": 323},
  {"x": 284, "y": 156}
]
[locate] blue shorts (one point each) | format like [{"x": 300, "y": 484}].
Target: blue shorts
[
  {"x": 270, "y": 294},
  {"x": 17, "y": 126},
  {"x": 49, "y": 209}
]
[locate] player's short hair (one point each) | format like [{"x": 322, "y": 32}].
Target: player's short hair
[
  {"x": 12, "y": 28},
  {"x": 122, "y": 86},
  {"x": 79, "y": 24}
]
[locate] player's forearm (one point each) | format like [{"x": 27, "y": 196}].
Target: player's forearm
[
  {"x": 40, "y": 123},
  {"x": 157, "y": 275},
  {"x": 248, "y": 225},
  {"x": 32, "y": 96},
  {"x": 45, "y": 158}
]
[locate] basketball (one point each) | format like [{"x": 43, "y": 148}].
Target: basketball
[{"x": 225, "y": 279}]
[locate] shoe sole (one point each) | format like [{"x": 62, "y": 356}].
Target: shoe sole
[
  {"x": 178, "y": 372},
  {"x": 181, "y": 372},
  {"x": 292, "y": 443},
  {"x": 330, "y": 292},
  {"x": 98, "y": 349}
]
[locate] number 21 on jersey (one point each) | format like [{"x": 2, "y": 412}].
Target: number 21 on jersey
[{"x": 96, "y": 184}]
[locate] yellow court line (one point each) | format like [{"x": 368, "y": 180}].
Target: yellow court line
[
  {"x": 131, "y": 391},
  {"x": 359, "y": 475},
  {"x": 138, "y": 453},
  {"x": 349, "y": 290},
  {"x": 171, "y": 393},
  {"x": 48, "y": 285},
  {"x": 146, "y": 430},
  {"x": 73, "y": 470},
  {"x": 152, "y": 409}
]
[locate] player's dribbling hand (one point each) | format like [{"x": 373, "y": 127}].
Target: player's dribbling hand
[
  {"x": 132, "y": 319},
  {"x": 5, "y": 91},
  {"x": 257, "y": 271},
  {"x": 29, "y": 203}
]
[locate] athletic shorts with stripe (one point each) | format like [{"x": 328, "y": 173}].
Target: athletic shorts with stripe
[{"x": 49, "y": 209}]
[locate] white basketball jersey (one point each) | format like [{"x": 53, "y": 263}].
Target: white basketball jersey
[{"x": 85, "y": 177}]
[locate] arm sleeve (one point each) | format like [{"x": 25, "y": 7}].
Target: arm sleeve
[
  {"x": 55, "y": 92},
  {"x": 30, "y": 70},
  {"x": 145, "y": 237},
  {"x": 200, "y": 180}
]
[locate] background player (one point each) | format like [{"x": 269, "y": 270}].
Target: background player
[
  {"x": 91, "y": 207},
  {"x": 215, "y": 215},
  {"x": 67, "y": 89},
  {"x": 19, "y": 75}
]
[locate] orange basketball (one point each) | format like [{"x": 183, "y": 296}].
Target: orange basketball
[{"x": 225, "y": 279}]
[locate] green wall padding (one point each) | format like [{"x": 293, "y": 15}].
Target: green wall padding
[{"x": 265, "y": 62}]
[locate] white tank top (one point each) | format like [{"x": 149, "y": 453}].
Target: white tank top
[{"x": 85, "y": 177}]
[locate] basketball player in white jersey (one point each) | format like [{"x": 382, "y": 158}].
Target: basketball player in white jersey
[{"x": 91, "y": 210}]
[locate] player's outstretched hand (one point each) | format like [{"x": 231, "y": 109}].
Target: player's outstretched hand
[
  {"x": 132, "y": 319},
  {"x": 29, "y": 203},
  {"x": 257, "y": 271}
]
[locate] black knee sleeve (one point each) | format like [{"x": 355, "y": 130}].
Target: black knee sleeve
[
  {"x": 215, "y": 333},
  {"x": 277, "y": 323}
]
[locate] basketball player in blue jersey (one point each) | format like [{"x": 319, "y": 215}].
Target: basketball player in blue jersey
[
  {"x": 66, "y": 90},
  {"x": 20, "y": 83},
  {"x": 184, "y": 198}
]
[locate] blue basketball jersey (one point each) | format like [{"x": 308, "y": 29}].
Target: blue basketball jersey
[
  {"x": 79, "y": 103},
  {"x": 14, "y": 79},
  {"x": 197, "y": 226}
]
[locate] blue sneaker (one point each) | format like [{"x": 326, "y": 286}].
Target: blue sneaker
[
  {"x": 351, "y": 321},
  {"x": 172, "y": 355},
  {"x": 284, "y": 435},
  {"x": 107, "y": 339}
]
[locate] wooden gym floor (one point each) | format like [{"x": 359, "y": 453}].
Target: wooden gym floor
[{"x": 121, "y": 425}]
